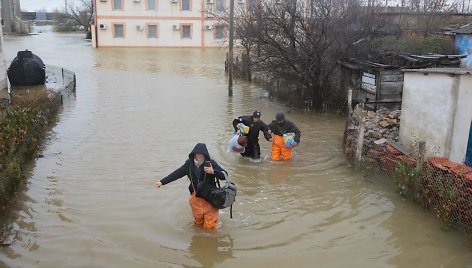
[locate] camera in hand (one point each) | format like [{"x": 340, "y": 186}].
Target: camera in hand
[{"x": 207, "y": 164}]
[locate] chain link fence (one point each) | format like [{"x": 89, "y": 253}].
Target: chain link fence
[{"x": 438, "y": 185}]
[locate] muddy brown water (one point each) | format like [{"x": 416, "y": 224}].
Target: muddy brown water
[{"x": 90, "y": 201}]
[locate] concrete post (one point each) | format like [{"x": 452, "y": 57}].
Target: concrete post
[
  {"x": 348, "y": 118},
  {"x": 421, "y": 154},
  {"x": 360, "y": 140}
]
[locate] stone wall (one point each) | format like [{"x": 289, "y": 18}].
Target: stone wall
[{"x": 380, "y": 126}]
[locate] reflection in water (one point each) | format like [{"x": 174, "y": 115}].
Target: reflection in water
[
  {"x": 210, "y": 249},
  {"x": 90, "y": 200}
]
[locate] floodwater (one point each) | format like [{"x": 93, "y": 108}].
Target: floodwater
[{"x": 137, "y": 113}]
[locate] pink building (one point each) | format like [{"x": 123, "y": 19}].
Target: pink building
[{"x": 160, "y": 23}]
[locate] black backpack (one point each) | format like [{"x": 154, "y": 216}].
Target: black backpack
[
  {"x": 219, "y": 197},
  {"x": 223, "y": 197}
]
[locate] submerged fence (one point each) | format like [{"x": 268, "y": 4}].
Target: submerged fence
[
  {"x": 61, "y": 81},
  {"x": 438, "y": 185}
]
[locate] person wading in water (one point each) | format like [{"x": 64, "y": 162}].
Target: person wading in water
[
  {"x": 255, "y": 125},
  {"x": 279, "y": 127},
  {"x": 199, "y": 168}
]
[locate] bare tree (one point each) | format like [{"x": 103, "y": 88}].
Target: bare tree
[
  {"x": 302, "y": 41},
  {"x": 81, "y": 14},
  {"x": 430, "y": 14},
  {"x": 76, "y": 17}
]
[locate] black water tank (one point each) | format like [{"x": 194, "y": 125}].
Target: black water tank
[{"x": 26, "y": 69}]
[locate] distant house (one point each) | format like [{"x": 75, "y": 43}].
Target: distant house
[
  {"x": 38, "y": 16},
  {"x": 463, "y": 38},
  {"x": 436, "y": 108}
]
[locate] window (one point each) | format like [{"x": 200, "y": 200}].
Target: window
[
  {"x": 118, "y": 30},
  {"x": 220, "y": 5},
  {"x": 152, "y": 31},
  {"x": 186, "y": 5},
  {"x": 186, "y": 31},
  {"x": 117, "y": 4},
  {"x": 219, "y": 31},
  {"x": 151, "y": 4}
]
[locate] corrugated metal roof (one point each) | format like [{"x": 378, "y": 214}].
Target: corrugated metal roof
[
  {"x": 466, "y": 29},
  {"x": 403, "y": 61},
  {"x": 440, "y": 70}
]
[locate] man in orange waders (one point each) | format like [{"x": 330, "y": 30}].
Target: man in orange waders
[
  {"x": 199, "y": 168},
  {"x": 279, "y": 127}
]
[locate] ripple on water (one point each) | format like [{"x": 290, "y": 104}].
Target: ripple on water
[{"x": 90, "y": 201}]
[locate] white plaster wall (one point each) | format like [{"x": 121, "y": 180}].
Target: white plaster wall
[
  {"x": 93, "y": 30},
  {"x": 437, "y": 108},
  {"x": 167, "y": 36},
  {"x": 164, "y": 8},
  {"x": 167, "y": 15},
  {"x": 462, "y": 120},
  {"x": 3, "y": 68},
  {"x": 428, "y": 106},
  {"x": 209, "y": 35}
]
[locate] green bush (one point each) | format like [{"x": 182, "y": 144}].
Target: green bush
[
  {"x": 413, "y": 46},
  {"x": 23, "y": 125}
]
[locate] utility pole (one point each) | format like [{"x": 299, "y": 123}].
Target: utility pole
[
  {"x": 312, "y": 10},
  {"x": 65, "y": 6},
  {"x": 230, "y": 52}
]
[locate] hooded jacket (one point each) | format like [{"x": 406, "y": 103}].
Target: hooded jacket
[
  {"x": 194, "y": 173},
  {"x": 285, "y": 127},
  {"x": 254, "y": 128}
]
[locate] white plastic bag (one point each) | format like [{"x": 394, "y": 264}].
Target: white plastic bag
[{"x": 234, "y": 146}]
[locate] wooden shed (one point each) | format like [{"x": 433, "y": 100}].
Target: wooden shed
[{"x": 379, "y": 84}]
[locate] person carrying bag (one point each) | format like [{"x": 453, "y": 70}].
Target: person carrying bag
[{"x": 204, "y": 174}]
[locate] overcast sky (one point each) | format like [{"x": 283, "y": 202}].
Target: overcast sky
[{"x": 49, "y": 5}]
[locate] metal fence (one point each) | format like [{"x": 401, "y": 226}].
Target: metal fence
[
  {"x": 61, "y": 81},
  {"x": 438, "y": 185}
]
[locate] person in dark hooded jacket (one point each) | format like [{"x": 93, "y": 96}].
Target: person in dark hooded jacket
[
  {"x": 279, "y": 127},
  {"x": 203, "y": 212},
  {"x": 255, "y": 125}
]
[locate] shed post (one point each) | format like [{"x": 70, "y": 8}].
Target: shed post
[{"x": 360, "y": 139}]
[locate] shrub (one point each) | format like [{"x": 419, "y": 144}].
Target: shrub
[
  {"x": 413, "y": 46},
  {"x": 23, "y": 125}
]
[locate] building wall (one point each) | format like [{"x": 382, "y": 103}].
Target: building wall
[
  {"x": 462, "y": 119},
  {"x": 134, "y": 15},
  {"x": 7, "y": 16},
  {"x": 3, "y": 68},
  {"x": 11, "y": 15},
  {"x": 436, "y": 109}
]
